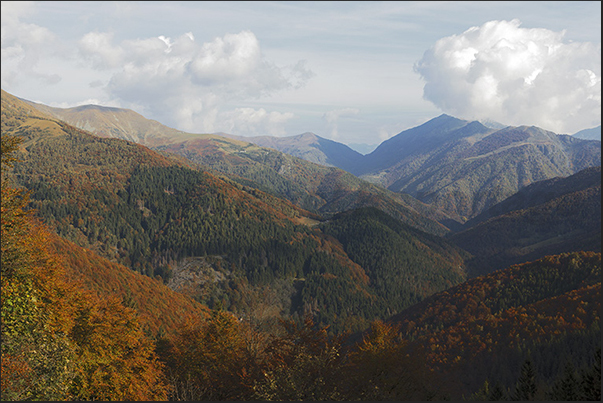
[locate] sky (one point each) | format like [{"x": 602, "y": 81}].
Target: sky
[{"x": 353, "y": 72}]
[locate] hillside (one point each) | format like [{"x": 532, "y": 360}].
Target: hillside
[
  {"x": 549, "y": 217},
  {"x": 485, "y": 328},
  {"x": 463, "y": 168},
  {"x": 150, "y": 213},
  {"x": 541, "y": 192},
  {"x": 313, "y": 187},
  {"x": 161, "y": 310},
  {"x": 404, "y": 264},
  {"x": 75, "y": 326},
  {"x": 310, "y": 186},
  {"x": 113, "y": 123}
]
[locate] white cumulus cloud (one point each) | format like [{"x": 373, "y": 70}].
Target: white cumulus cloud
[
  {"x": 184, "y": 83},
  {"x": 514, "y": 75}
]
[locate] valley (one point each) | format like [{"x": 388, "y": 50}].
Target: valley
[{"x": 435, "y": 267}]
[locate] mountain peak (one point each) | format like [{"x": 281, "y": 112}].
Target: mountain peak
[
  {"x": 83, "y": 108},
  {"x": 307, "y": 136}
]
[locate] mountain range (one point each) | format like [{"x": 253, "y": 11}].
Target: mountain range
[
  {"x": 456, "y": 253},
  {"x": 310, "y": 147},
  {"x": 154, "y": 211},
  {"x": 457, "y": 167},
  {"x": 463, "y": 167}
]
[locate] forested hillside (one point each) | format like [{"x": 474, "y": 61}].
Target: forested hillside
[
  {"x": 550, "y": 217},
  {"x": 193, "y": 273},
  {"x": 547, "y": 312},
  {"x": 463, "y": 168},
  {"x": 59, "y": 340},
  {"x": 541, "y": 192},
  {"x": 150, "y": 212},
  {"x": 311, "y": 186},
  {"x": 62, "y": 342},
  {"x": 403, "y": 264}
]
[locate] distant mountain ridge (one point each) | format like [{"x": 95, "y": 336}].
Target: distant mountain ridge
[
  {"x": 464, "y": 167},
  {"x": 311, "y": 186},
  {"x": 113, "y": 122},
  {"x": 309, "y": 147},
  {"x": 457, "y": 167},
  {"x": 589, "y": 134}
]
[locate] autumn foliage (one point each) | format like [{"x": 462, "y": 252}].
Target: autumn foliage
[
  {"x": 78, "y": 325},
  {"x": 58, "y": 341}
]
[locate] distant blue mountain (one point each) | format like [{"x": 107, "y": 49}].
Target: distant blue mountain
[
  {"x": 309, "y": 147},
  {"x": 589, "y": 134}
]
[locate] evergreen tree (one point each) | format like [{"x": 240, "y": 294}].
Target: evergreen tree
[
  {"x": 591, "y": 380},
  {"x": 567, "y": 387},
  {"x": 525, "y": 388},
  {"x": 497, "y": 393}
]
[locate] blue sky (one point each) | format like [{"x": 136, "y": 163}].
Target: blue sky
[{"x": 355, "y": 72}]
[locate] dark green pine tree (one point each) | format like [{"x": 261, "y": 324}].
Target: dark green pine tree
[
  {"x": 591, "y": 380},
  {"x": 525, "y": 388},
  {"x": 567, "y": 387},
  {"x": 497, "y": 393},
  {"x": 487, "y": 393}
]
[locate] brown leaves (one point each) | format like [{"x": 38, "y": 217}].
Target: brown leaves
[{"x": 115, "y": 359}]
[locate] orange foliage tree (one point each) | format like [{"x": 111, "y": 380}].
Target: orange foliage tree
[
  {"x": 384, "y": 367},
  {"x": 58, "y": 343},
  {"x": 303, "y": 364},
  {"x": 217, "y": 358}
]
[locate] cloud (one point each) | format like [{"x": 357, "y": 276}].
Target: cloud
[
  {"x": 515, "y": 75},
  {"x": 185, "y": 83},
  {"x": 249, "y": 121},
  {"x": 97, "y": 48},
  {"x": 23, "y": 45},
  {"x": 332, "y": 118}
]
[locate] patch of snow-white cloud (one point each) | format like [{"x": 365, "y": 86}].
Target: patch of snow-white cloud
[
  {"x": 185, "y": 83},
  {"x": 516, "y": 75}
]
